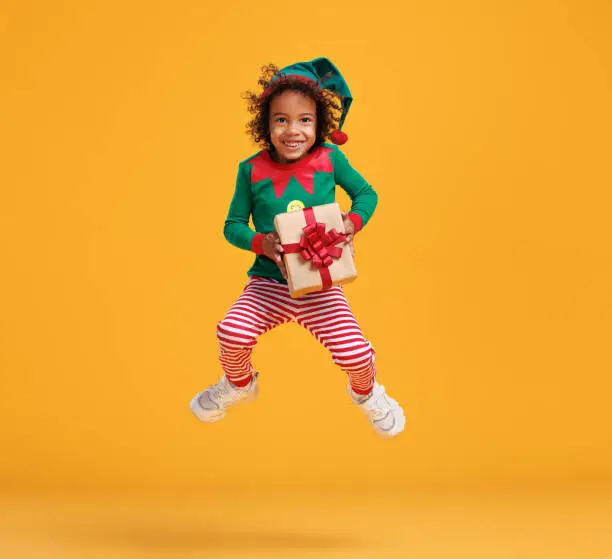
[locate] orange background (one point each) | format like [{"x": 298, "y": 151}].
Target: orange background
[{"x": 485, "y": 273}]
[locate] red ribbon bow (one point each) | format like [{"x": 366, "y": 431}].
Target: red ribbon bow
[{"x": 318, "y": 246}]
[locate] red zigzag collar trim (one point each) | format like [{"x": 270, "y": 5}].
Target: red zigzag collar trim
[{"x": 264, "y": 167}]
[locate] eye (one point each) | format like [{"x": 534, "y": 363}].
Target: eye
[
  {"x": 307, "y": 119},
  {"x": 280, "y": 119}
]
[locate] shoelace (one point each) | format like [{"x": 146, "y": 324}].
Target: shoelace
[
  {"x": 223, "y": 389},
  {"x": 377, "y": 411}
]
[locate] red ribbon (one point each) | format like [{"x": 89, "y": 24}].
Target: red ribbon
[{"x": 318, "y": 246}]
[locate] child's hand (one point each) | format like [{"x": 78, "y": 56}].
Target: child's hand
[
  {"x": 349, "y": 227},
  {"x": 273, "y": 249}
]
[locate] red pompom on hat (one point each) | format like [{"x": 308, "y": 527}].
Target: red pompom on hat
[{"x": 339, "y": 138}]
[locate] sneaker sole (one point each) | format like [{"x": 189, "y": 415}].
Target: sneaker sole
[
  {"x": 397, "y": 428},
  {"x": 202, "y": 414},
  {"x": 213, "y": 416}
]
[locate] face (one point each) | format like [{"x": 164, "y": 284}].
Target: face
[{"x": 293, "y": 125}]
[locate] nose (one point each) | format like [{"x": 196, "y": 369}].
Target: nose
[{"x": 293, "y": 127}]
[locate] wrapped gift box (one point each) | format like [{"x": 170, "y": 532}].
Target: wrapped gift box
[{"x": 316, "y": 254}]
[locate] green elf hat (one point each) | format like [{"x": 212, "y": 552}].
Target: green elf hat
[{"x": 325, "y": 75}]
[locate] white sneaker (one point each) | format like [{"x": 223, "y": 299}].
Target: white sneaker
[
  {"x": 210, "y": 404},
  {"x": 383, "y": 412}
]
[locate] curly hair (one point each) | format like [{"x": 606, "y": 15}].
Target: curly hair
[{"x": 329, "y": 109}]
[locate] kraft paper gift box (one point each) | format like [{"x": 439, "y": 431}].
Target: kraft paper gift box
[{"x": 316, "y": 254}]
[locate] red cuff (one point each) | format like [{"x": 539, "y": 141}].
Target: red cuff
[
  {"x": 256, "y": 243},
  {"x": 357, "y": 221}
]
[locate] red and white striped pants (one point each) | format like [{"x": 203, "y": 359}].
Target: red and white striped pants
[{"x": 265, "y": 304}]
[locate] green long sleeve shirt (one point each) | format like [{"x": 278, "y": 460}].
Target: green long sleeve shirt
[{"x": 265, "y": 188}]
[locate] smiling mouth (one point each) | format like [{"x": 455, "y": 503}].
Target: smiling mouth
[{"x": 293, "y": 145}]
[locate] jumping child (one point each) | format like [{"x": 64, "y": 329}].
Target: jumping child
[{"x": 298, "y": 109}]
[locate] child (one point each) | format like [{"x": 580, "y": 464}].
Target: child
[{"x": 296, "y": 111}]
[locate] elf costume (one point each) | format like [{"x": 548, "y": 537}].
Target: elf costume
[{"x": 265, "y": 188}]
